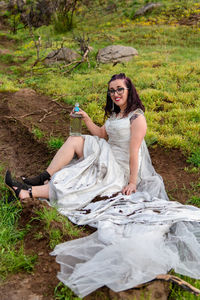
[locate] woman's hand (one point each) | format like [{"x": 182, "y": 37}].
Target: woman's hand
[
  {"x": 82, "y": 113},
  {"x": 129, "y": 189}
]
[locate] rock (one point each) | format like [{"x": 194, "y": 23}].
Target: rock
[
  {"x": 62, "y": 54},
  {"x": 115, "y": 54},
  {"x": 148, "y": 7},
  {"x": 156, "y": 290}
]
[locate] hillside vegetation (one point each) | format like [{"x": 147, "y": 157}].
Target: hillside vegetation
[{"x": 165, "y": 73}]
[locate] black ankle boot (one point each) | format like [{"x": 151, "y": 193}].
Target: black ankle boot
[
  {"x": 37, "y": 180},
  {"x": 18, "y": 185}
]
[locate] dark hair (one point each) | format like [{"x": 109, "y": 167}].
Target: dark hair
[{"x": 133, "y": 100}]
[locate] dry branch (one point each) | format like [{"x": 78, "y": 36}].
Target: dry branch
[
  {"x": 174, "y": 279},
  {"x": 182, "y": 283},
  {"x": 84, "y": 58}
]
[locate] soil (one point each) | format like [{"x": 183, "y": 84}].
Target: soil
[{"x": 25, "y": 154}]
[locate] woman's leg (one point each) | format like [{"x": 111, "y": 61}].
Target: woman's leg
[
  {"x": 41, "y": 191},
  {"x": 73, "y": 145}
]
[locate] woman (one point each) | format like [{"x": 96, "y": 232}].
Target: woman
[
  {"x": 125, "y": 130},
  {"x": 115, "y": 159}
]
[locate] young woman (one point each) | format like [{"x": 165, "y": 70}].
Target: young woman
[
  {"x": 109, "y": 161},
  {"x": 140, "y": 233}
]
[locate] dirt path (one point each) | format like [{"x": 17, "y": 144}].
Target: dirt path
[{"x": 24, "y": 154}]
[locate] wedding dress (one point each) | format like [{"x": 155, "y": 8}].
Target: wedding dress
[{"x": 139, "y": 236}]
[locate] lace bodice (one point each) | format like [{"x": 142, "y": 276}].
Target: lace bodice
[{"x": 118, "y": 130}]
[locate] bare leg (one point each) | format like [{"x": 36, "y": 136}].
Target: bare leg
[
  {"x": 74, "y": 144},
  {"x": 37, "y": 191},
  {"x": 62, "y": 158}
]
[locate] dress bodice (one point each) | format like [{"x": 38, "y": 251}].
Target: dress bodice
[{"x": 119, "y": 130}]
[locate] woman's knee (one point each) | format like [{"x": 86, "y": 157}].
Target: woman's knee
[{"x": 78, "y": 143}]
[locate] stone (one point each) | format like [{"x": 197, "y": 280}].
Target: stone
[
  {"x": 63, "y": 54},
  {"x": 148, "y": 7},
  {"x": 115, "y": 54}
]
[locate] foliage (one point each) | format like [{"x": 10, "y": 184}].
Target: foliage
[
  {"x": 38, "y": 133},
  {"x": 12, "y": 255},
  {"x": 194, "y": 200},
  {"x": 56, "y": 226},
  {"x": 61, "y": 292},
  {"x": 55, "y": 143},
  {"x": 195, "y": 158},
  {"x": 64, "y": 15}
]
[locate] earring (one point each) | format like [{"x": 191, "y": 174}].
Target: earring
[{"x": 113, "y": 106}]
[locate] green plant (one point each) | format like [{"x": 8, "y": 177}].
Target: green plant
[
  {"x": 195, "y": 158},
  {"x": 55, "y": 143},
  {"x": 55, "y": 236},
  {"x": 62, "y": 292},
  {"x": 12, "y": 255},
  {"x": 64, "y": 16},
  {"x": 194, "y": 200},
  {"x": 38, "y": 133}
]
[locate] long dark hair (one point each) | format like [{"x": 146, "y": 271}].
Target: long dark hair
[{"x": 133, "y": 100}]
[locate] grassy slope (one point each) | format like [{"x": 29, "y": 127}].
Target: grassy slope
[{"x": 166, "y": 72}]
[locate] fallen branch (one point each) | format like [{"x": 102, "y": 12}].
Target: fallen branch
[
  {"x": 182, "y": 283},
  {"x": 45, "y": 115},
  {"x": 84, "y": 58},
  {"x": 174, "y": 279}
]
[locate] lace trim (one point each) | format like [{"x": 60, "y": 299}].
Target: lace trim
[{"x": 132, "y": 115}]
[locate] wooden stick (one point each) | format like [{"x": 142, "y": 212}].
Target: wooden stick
[
  {"x": 182, "y": 283},
  {"x": 174, "y": 279}
]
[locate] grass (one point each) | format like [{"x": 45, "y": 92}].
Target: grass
[
  {"x": 56, "y": 226},
  {"x": 166, "y": 75},
  {"x": 55, "y": 143},
  {"x": 177, "y": 293},
  {"x": 12, "y": 255},
  {"x": 62, "y": 292}
]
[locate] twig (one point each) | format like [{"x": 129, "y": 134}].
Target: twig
[
  {"x": 26, "y": 115},
  {"x": 32, "y": 113},
  {"x": 79, "y": 62},
  {"x": 182, "y": 283},
  {"x": 171, "y": 278},
  {"x": 45, "y": 115}
]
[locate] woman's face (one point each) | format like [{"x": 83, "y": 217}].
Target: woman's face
[{"x": 119, "y": 93}]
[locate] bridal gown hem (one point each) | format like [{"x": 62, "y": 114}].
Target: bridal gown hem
[{"x": 117, "y": 255}]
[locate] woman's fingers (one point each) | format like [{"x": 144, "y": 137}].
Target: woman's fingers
[{"x": 129, "y": 189}]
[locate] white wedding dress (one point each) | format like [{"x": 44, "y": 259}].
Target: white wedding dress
[{"x": 139, "y": 236}]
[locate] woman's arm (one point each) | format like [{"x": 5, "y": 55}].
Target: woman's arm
[
  {"x": 138, "y": 131},
  {"x": 93, "y": 128}
]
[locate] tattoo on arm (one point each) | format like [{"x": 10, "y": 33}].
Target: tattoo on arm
[{"x": 135, "y": 116}]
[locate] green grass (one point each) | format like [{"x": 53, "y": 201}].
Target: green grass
[
  {"x": 166, "y": 75},
  {"x": 195, "y": 158},
  {"x": 55, "y": 143},
  {"x": 62, "y": 292},
  {"x": 56, "y": 226},
  {"x": 177, "y": 293},
  {"x": 12, "y": 255},
  {"x": 39, "y": 134}
]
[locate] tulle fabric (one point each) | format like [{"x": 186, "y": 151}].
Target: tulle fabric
[{"x": 139, "y": 236}]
